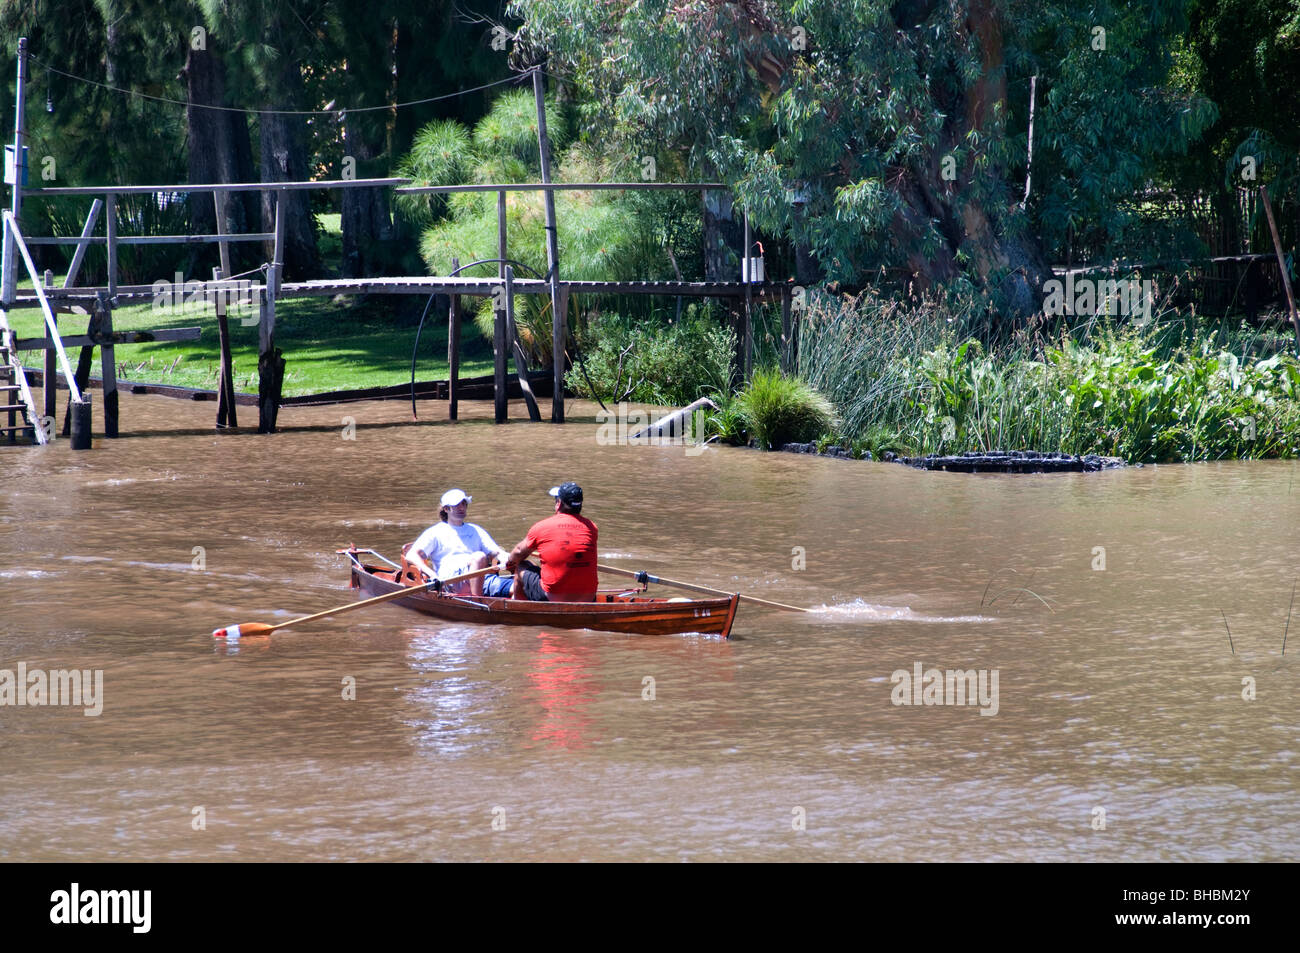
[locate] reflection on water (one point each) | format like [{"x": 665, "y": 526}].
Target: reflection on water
[{"x": 1104, "y": 602}]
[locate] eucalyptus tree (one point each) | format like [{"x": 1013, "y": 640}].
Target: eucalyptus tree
[{"x": 889, "y": 135}]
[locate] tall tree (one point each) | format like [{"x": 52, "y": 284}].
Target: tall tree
[{"x": 895, "y": 123}]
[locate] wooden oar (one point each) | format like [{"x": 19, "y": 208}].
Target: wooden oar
[
  {"x": 247, "y": 629},
  {"x": 646, "y": 577}
]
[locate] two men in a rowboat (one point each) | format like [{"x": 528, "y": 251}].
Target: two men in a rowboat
[
  {"x": 456, "y": 546},
  {"x": 566, "y": 547}
]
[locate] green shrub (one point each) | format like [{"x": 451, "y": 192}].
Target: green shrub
[
  {"x": 780, "y": 409},
  {"x": 652, "y": 362}
]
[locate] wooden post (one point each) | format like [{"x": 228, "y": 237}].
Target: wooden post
[
  {"x": 218, "y": 202},
  {"x": 108, "y": 369},
  {"x": 51, "y": 392},
  {"x": 787, "y": 329},
  {"x": 110, "y": 229},
  {"x": 87, "y": 354},
  {"x": 521, "y": 362},
  {"x": 453, "y": 348},
  {"x": 552, "y": 256},
  {"x": 226, "y": 416},
  {"x": 499, "y": 393},
  {"x": 85, "y": 358},
  {"x": 1281, "y": 264},
  {"x": 277, "y": 254},
  {"x": 748, "y": 344},
  {"x": 270, "y": 359}
]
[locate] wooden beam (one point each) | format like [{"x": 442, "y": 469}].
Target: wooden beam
[
  {"x": 90, "y": 339},
  {"x": 84, "y": 360},
  {"x": 87, "y": 231},
  {"x": 453, "y": 349},
  {"x": 214, "y": 187}
]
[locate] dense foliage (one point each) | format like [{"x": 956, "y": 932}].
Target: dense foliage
[
  {"x": 913, "y": 379},
  {"x": 657, "y": 362}
]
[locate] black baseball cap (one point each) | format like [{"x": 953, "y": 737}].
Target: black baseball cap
[{"x": 569, "y": 493}]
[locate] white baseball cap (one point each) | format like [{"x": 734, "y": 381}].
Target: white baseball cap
[{"x": 452, "y": 497}]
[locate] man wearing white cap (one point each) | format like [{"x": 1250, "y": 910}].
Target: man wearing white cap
[{"x": 456, "y": 546}]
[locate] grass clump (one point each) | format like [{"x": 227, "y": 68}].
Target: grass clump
[{"x": 778, "y": 409}]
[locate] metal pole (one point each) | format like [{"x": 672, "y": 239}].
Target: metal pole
[
  {"x": 9, "y": 267},
  {"x": 552, "y": 258}
]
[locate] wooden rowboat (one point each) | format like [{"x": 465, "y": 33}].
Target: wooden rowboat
[{"x": 615, "y": 610}]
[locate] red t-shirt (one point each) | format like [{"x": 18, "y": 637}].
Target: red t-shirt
[{"x": 566, "y": 546}]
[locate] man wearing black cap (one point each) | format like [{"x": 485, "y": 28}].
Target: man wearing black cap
[{"x": 566, "y": 547}]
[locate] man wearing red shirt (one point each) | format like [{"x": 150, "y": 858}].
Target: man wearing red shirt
[{"x": 566, "y": 546}]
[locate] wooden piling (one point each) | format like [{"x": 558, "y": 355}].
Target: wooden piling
[
  {"x": 788, "y": 354},
  {"x": 453, "y": 348},
  {"x": 516, "y": 349},
  {"x": 85, "y": 358},
  {"x": 552, "y": 255},
  {"x": 226, "y": 416},
  {"x": 501, "y": 407},
  {"x": 108, "y": 368},
  {"x": 270, "y": 359}
]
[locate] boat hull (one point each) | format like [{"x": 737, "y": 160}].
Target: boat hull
[{"x": 613, "y": 611}]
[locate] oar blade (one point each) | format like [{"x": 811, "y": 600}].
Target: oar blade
[{"x": 245, "y": 630}]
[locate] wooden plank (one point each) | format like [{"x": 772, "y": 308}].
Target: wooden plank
[
  {"x": 117, "y": 337},
  {"x": 215, "y": 187},
  {"x": 154, "y": 239},
  {"x": 556, "y": 187},
  {"x": 521, "y": 362},
  {"x": 453, "y": 349},
  {"x": 108, "y": 369}
]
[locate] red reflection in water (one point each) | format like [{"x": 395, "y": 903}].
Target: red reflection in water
[{"x": 561, "y": 676}]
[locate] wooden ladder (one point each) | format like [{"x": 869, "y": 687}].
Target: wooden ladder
[{"x": 15, "y": 396}]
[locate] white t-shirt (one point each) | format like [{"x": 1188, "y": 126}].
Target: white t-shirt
[{"x": 446, "y": 548}]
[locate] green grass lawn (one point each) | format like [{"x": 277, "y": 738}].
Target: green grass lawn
[{"x": 360, "y": 342}]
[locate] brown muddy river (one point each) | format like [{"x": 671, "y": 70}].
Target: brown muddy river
[{"x": 1125, "y": 722}]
